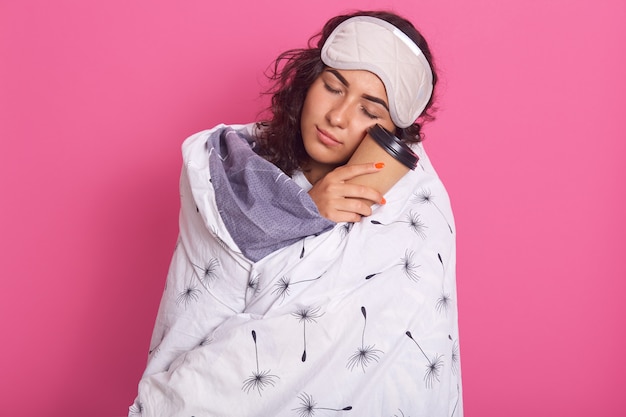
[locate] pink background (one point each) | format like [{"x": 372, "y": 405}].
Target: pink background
[{"x": 96, "y": 98}]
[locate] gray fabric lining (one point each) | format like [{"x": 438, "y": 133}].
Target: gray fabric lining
[{"x": 262, "y": 208}]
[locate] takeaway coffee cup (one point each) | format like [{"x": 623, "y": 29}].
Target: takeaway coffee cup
[{"x": 380, "y": 145}]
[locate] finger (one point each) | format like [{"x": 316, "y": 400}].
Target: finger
[
  {"x": 362, "y": 192},
  {"x": 356, "y": 206},
  {"x": 344, "y": 216}
]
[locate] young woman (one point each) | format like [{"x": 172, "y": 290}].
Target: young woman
[{"x": 292, "y": 290}]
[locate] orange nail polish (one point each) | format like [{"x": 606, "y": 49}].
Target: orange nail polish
[
  {"x": 379, "y": 165},
  {"x": 383, "y": 201}
]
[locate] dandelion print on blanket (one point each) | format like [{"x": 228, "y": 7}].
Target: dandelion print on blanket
[
  {"x": 424, "y": 196},
  {"x": 455, "y": 355},
  {"x": 189, "y": 294},
  {"x": 307, "y": 315},
  {"x": 259, "y": 380},
  {"x": 413, "y": 221},
  {"x": 253, "y": 284},
  {"x": 308, "y": 406},
  {"x": 207, "y": 272},
  {"x": 444, "y": 301},
  {"x": 364, "y": 354},
  {"x": 409, "y": 266},
  {"x": 283, "y": 286},
  {"x": 434, "y": 365}
]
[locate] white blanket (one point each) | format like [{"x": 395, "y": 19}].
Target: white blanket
[{"x": 359, "y": 321}]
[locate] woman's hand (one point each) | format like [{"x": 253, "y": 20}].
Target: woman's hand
[{"x": 340, "y": 201}]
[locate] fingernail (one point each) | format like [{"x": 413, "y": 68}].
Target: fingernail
[
  {"x": 379, "y": 165},
  {"x": 383, "y": 201}
]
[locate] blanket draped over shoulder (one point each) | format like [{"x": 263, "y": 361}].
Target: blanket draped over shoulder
[{"x": 271, "y": 310}]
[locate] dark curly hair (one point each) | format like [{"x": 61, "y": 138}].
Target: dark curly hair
[{"x": 293, "y": 72}]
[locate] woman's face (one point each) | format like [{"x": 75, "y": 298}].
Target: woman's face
[{"x": 339, "y": 108}]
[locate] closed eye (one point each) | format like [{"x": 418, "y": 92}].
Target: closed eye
[
  {"x": 330, "y": 89},
  {"x": 368, "y": 114}
]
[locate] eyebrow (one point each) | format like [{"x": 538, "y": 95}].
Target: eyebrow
[{"x": 345, "y": 82}]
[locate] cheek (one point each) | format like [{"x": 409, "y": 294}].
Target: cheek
[
  {"x": 306, "y": 108},
  {"x": 310, "y": 107}
]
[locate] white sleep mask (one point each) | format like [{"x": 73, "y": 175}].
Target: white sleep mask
[{"x": 375, "y": 45}]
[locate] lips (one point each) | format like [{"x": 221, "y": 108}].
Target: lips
[{"x": 326, "y": 138}]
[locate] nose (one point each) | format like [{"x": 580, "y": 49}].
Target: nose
[{"x": 338, "y": 114}]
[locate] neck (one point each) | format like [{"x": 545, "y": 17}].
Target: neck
[{"x": 314, "y": 171}]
